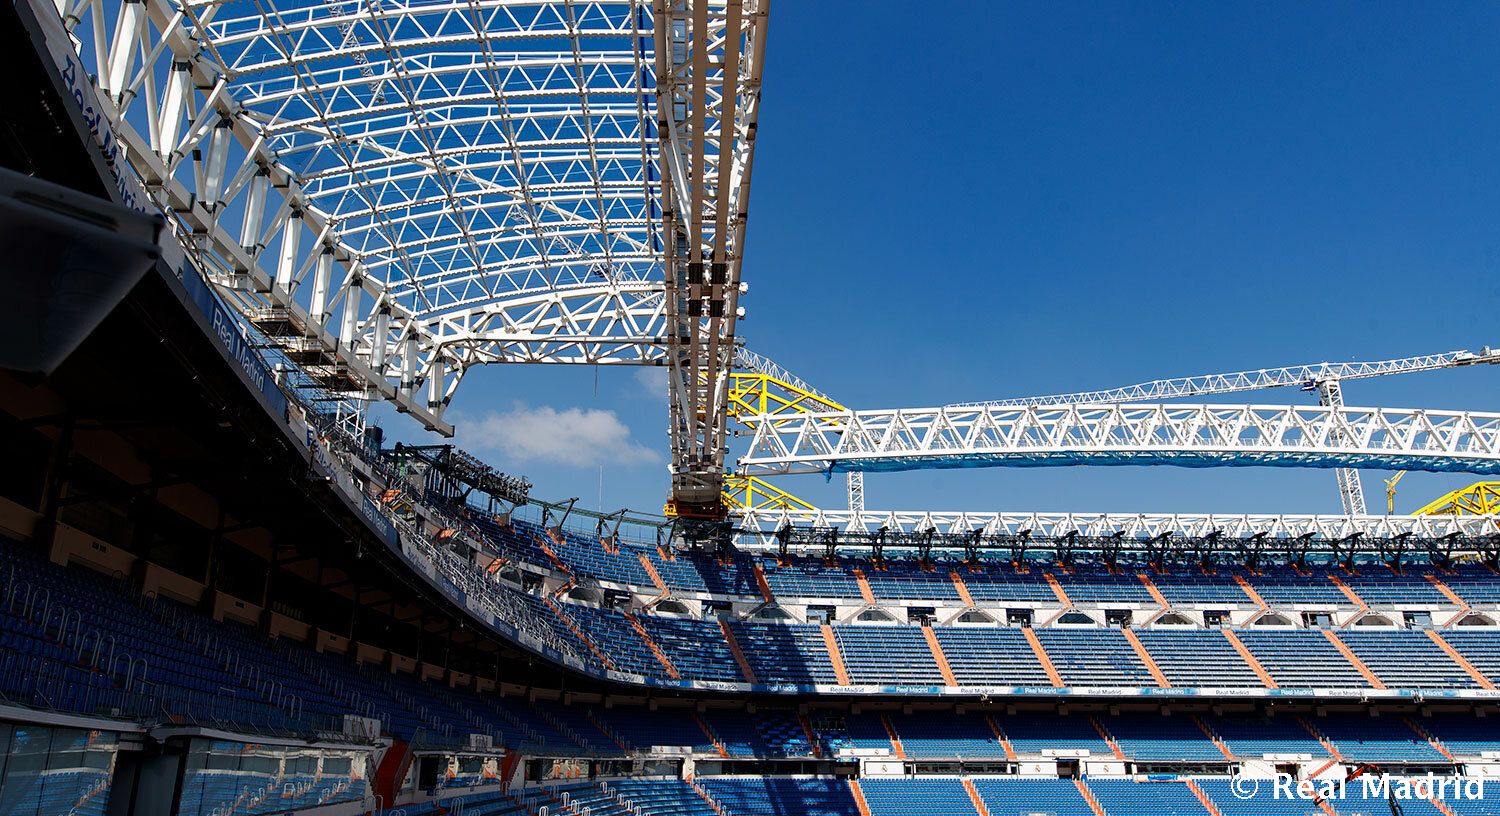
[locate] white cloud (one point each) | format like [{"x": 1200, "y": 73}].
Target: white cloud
[
  {"x": 653, "y": 380},
  {"x": 571, "y": 436}
]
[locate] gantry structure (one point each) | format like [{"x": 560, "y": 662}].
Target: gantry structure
[
  {"x": 1118, "y": 426},
  {"x": 390, "y": 192},
  {"x": 395, "y": 191},
  {"x": 769, "y": 517},
  {"x": 1325, "y": 379}
]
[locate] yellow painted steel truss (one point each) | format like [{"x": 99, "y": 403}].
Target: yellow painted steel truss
[
  {"x": 752, "y": 393},
  {"x": 751, "y": 493},
  {"x": 1478, "y": 499}
]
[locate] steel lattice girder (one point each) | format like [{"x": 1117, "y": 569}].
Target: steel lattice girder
[
  {"x": 759, "y": 526},
  {"x": 709, "y": 55},
  {"x": 1304, "y": 376},
  {"x": 1185, "y": 435},
  {"x": 417, "y": 186},
  {"x": 1480, "y": 498}
]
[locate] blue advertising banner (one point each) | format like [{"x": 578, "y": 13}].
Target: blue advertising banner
[{"x": 230, "y": 334}]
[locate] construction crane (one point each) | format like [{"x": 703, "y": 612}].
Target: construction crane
[
  {"x": 1390, "y": 491},
  {"x": 1323, "y": 378}
]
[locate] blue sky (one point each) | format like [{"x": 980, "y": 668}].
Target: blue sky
[{"x": 991, "y": 200}]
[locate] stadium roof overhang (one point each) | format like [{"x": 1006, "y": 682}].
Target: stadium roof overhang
[{"x": 397, "y": 190}]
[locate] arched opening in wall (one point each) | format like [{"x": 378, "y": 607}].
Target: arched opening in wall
[
  {"x": 771, "y": 613},
  {"x": 875, "y": 616},
  {"x": 1374, "y": 619},
  {"x": 1076, "y": 618},
  {"x": 976, "y": 617},
  {"x": 1475, "y": 619},
  {"x": 672, "y": 607},
  {"x": 1272, "y": 619},
  {"x": 585, "y": 594},
  {"x": 1174, "y": 619}
]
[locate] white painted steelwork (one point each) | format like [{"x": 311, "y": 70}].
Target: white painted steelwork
[
  {"x": 1321, "y": 377},
  {"x": 1303, "y": 376},
  {"x": 709, "y": 56},
  {"x": 1184, "y": 435},
  {"x": 758, "y": 527},
  {"x": 413, "y": 187}
]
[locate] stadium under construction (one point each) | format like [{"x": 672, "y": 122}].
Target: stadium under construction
[{"x": 227, "y": 593}]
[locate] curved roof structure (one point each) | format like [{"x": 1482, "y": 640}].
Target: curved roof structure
[
  {"x": 397, "y": 190},
  {"x": 467, "y": 152}
]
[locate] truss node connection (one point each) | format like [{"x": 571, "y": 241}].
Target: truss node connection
[
  {"x": 760, "y": 386},
  {"x": 1183, "y": 435}
]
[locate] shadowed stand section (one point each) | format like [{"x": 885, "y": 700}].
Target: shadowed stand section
[
  {"x": 712, "y": 737},
  {"x": 890, "y": 732},
  {"x": 661, "y": 656},
  {"x": 579, "y": 633},
  {"x": 1436, "y": 744},
  {"x": 1010, "y": 751},
  {"x": 763, "y": 585},
  {"x": 656, "y": 579},
  {"x": 739, "y": 654},
  {"x": 1215, "y": 739},
  {"x": 1109, "y": 739}
]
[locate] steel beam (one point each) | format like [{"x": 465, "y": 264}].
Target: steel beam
[
  {"x": 709, "y": 55},
  {"x": 1183, "y": 435}
]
